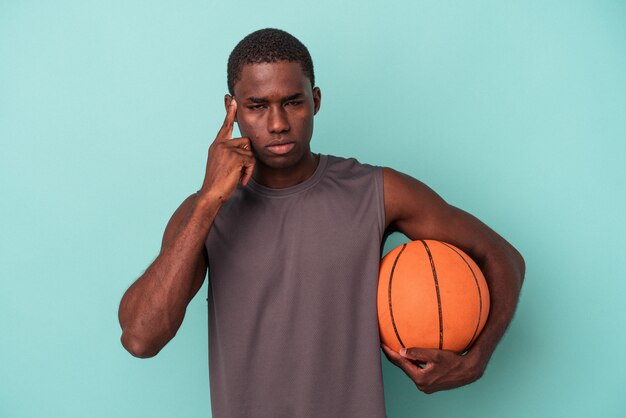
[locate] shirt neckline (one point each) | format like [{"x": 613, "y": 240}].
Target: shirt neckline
[{"x": 300, "y": 187}]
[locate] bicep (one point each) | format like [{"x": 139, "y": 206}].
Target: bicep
[{"x": 418, "y": 212}]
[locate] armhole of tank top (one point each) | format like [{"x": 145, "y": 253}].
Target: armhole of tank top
[{"x": 380, "y": 200}]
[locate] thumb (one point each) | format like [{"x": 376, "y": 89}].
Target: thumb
[
  {"x": 405, "y": 364},
  {"x": 422, "y": 355}
]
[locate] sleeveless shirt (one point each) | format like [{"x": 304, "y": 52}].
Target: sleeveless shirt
[{"x": 293, "y": 276}]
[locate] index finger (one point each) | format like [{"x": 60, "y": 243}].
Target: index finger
[{"x": 226, "y": 131}]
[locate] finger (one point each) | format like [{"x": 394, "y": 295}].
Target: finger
[
  {"x": 246, "y": 153},
  {"x": 415, "y": 372},
  {"x": 392, "y": 355},
  {"x": 397, "y": 357},
  {"x": 241, "y": 150},
  {"x": 409, "y": 368},
  {"x": 398, "y": 360},
  {"x": 422, "y": 355},
  {"x": 240, "y": 143},
  {"x": 415, "y": 357},
  {"x": 248, "y": 170},
  {"x": 226, "y": 131}
]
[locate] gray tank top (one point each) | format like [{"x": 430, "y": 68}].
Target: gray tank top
[{"x": 293, "y": 275}]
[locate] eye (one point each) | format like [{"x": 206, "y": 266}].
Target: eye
[
  {"x": 293, "y": 103},
  {"x": 256, "y": 107}
]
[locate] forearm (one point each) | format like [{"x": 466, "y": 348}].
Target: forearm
[
  {"x": 153, "y": 308},
  {"x": 504, "y": 271}
]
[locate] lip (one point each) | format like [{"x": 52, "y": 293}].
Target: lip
[{"x": 281, "y": 148}]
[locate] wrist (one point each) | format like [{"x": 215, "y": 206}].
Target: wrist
[
  {"x": 478, "y": 356},
  {"x": 208, "y": 202},
  {"x": 209, "y": 197}
]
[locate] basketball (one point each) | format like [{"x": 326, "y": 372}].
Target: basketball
[{"x": 431, "y": 295}]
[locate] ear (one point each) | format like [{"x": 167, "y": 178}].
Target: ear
[{"x": 317, "y": 100}]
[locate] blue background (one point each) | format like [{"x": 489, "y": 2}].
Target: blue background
[{"x": 513, "y": 111}]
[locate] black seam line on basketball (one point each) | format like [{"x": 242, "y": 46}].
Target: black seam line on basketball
[
  {"x": 432, "y": 266},
  {"x": 393, "y": 322},
  {"x": 480, "y": 297}
]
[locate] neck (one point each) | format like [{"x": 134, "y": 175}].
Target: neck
[{"x": 280, "y": 178}]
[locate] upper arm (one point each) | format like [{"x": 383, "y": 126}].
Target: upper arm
[
  {"x": 174, "y": 225},
  {"x": 417, "y": 211}
]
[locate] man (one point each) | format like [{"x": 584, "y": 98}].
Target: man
[{"x": 292, "y": 243}]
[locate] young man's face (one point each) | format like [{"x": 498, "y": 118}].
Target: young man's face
[{"x": 275, "y": 109}]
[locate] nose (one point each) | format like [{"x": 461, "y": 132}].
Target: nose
[{"x": 277, "y": 120}]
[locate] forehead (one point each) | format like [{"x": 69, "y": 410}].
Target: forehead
[{"x": 281, "y": 78}]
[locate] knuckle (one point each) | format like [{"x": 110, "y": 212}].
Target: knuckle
[
  {"x": 477, "y": 374},
  {"x": 422, "y": 387},
  {"x": 425, "y": 381}
]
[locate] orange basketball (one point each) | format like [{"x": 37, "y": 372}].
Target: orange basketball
[{"x": 431, "y": 295}]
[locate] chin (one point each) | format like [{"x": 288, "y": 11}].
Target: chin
[{"x": 281, "y": 162}]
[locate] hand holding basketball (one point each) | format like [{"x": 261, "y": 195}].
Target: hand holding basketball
[
  {"x": 230, "y": 161},
  {"x": 433, "y": 370}
]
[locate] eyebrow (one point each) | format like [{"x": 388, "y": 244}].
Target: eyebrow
[{"x": 264, "y": 100}]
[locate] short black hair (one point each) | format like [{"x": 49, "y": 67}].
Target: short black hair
[{"x": 268, "y": 45}]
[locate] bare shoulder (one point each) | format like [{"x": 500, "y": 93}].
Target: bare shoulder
[
  {"x": 410, "y": 205},
  {"x": 419, "y": 212},
  {"x": 178, "y": 218}
]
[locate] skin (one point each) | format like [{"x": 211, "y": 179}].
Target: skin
[{"x": 274, "y": 105}]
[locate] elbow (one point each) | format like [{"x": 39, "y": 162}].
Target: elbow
[
  {"x": 521, "y": 263},
  {"x": 139, "y": 347},
  {"x": 521, "y": 266}
]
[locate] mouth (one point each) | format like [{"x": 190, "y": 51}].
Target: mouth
[{"x": 281, "y": 148}]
